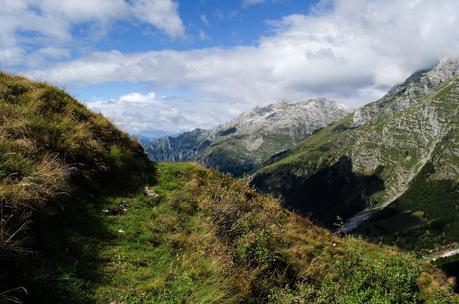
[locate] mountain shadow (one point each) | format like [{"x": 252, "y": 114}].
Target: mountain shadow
[{"x": 332, "y": 192}]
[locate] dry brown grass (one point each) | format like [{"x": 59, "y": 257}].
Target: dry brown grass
[
  {"x": 280, "y": 257},
  {"x": 46, "y": 181}
]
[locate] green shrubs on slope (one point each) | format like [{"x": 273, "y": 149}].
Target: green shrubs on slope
[
  {"x": 52, "y": 147},
  {"x": 424, "y": 217}
]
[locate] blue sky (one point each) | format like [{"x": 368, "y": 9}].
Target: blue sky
[
  {"x": 208, "y": 23},
  {"x": 160, "y": 67}
]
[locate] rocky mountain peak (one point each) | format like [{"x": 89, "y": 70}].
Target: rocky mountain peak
[
  {"x": 245, "y": 142},
  {"x": 287, "y": 115},
  {"x": 444, "y": 70},
  {"x": 406, "y": 94},
  {"x": 402, "y": 149}
]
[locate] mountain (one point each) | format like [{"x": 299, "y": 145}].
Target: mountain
[
  {"x": 244, "y": 143},
  {"x": 184, "y": 147},
  {"x": 87, "y": 218},
  {"x": 401, "y": 151}
]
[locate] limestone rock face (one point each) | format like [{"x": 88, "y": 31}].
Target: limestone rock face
[
  {"x": 406, "y": 94},
  {"x": 243, "y": 144},
  {"x": 180, "y": 148}
]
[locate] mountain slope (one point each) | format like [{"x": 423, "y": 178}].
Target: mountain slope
[
  {"x": 373, "y": 156},
  {"x": 243, "y": 144}
]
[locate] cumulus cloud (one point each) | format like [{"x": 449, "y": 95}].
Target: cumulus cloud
[
  {"x": 151, "y": 115},
  {"x": 353, "y": 52},
  {"x": 51, "y": 21}
]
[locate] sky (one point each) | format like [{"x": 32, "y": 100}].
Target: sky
[{"x": 160, "y": 67}]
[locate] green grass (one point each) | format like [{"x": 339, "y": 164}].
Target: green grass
[
  {"x": 208, "y": 238},
  {"x": 156, "y": 252}
]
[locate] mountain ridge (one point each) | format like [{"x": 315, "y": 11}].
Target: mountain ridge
[
  {"x": 244, "y": 143},
  {"x": 391, "y": 139}
]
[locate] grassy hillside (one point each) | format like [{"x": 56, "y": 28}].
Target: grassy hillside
[
  {"x": 207, "y": 238},
  {"x": 54, "y": 155}
]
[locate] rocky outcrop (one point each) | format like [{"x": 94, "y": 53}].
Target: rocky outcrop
[{"x": 408, "y": 93}]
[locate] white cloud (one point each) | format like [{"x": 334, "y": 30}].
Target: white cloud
[
  {"x": 162, "y": 14},
  {"x": 205, "y": 20},
  {"x": 148, "y": 114},
  {"x": 348, "y": 50},
  {"x": 55, "y": 52},
  {"x": 10, "y": 55},
  {"x": 51, "y": 21},
  {"x": 75, "y": 11},
  {"x": 203, "y": 35},
  {"x": 247, "y": 3},
  {"x": 138, "y": 98},
  {"x": 359, "y": 47},
  {"x": 46, "y": 54}
]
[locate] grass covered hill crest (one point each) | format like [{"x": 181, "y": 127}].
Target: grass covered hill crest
[
  {"x": 77, "y": 226},
  {"x": 54, "y": 152}
]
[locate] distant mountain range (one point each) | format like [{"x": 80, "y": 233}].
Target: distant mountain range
[
  {"x": 245, "y": 143},
  {"x": 390, "y": 168}
]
